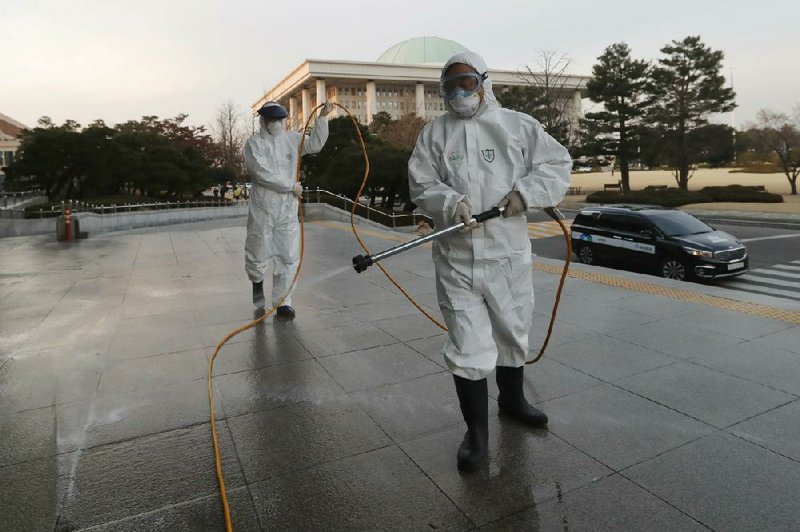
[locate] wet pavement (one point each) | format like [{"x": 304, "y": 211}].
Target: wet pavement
[{"x": 665, "y": 414}]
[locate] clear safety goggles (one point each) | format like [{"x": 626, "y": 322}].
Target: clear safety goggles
[{"x": 463, "y": 84}]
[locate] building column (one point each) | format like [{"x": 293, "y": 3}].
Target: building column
[
  {"x": 321, "y": 96},
  {"x": 576, "y": 104},
  {"x": 420, "y": 100},
  {"x": 293, "y": 113},
  {"x": 372, "y": 101},
  {"x": 306, "y": 98}
]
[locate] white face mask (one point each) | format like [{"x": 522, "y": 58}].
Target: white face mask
[
  {"x": 465, "y": 106},
  {"x": 275, "y": 127}
]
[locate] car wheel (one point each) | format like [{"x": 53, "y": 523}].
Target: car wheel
[
  {"x": 586, "y": 254},
  {"x": 672, "y": 268}
]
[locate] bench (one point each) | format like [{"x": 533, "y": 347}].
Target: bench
[
  {"x": 656, "y": 187},
  {"x": 762, "y": 188},
  {"x": 574, "y": 191},
  {"x": 609, "y": 186}
]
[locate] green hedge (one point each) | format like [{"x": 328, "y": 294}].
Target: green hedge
[{"x": 674, "y": 197}]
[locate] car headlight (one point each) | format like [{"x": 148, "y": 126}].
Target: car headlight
[{"x": 699, "y": 252}]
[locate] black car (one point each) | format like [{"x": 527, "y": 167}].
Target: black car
[{"x": 671, "y": 243}]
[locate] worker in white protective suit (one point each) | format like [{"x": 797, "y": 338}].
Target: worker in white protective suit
[
  {"x": 475, "y": 157},
  {"x": 273, "y": 229}
]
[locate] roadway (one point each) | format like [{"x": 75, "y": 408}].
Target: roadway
[{"x": 774, "y": 254}]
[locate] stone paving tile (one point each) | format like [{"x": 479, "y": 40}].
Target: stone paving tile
[
  {"x": 132, "y": 415},
  {"x": 343, "y": 339},
  {"x": 407, "y": 328},
  {"x": 32, "y": 493},
  {"x": 525, "y": 466},
  {"x": 200, "y": 514},
  {"x": 563, "y": 332},
  {"x": 788, "y": 339},
  {"x": 271, "y": 346},
  {"x": 136, "y": 476},
  {"x": 273, "y": 387},
  {"x": 660, "y": 336},
  {"x": 380, "y": 490},
  {"x": 153, "y": 373},
  {"x": 744, "y": 326},
  {"x": 414, "y": 408},
  {"x": 548, "y": 379},
  {"x": 279, "y": 441},
  {"x": 157, "y": 341},
  {"x": 777, "y": 430},
  {"x": 593, "y": 292},
  {"x": 619, "y": 428},
  {"x": 725, "y": 483},
  {"x": 656, "y": 306},
  {"x": 431, "y": 348},
  {"x": 610, "y": 504},
  {"x": 710, "y": 396},
  {"x": 607, "y": 358},
  {"x": 35, "y": 379},
  {"x": 28, "y": 435},
  {"x": 758, "y": 363},
  {"x": 369, "y": 368},
  {"x": 595, "y": 316}
]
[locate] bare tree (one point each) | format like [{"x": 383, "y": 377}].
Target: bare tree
[
  {"x": 230, "y": 133},
  {"x": 549, "y": 94},
  {"x": 776, "y": 132},
  {"x": 402, "y": 133}
]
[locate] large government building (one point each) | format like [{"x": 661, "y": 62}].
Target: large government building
[{"x": 403, "y": 80}]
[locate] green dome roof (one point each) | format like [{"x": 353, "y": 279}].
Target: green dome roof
[{"x": 421, "y": 50}]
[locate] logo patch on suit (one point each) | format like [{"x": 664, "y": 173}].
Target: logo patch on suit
[
  {"x": 488, "y": 155},
  {"x": 289, "y": 156}
]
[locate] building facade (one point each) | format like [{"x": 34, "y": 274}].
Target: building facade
[
  {"x": 10, "y": 132},
  {"x": 403, "y": 80}
]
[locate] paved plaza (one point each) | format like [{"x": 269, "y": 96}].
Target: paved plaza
[{"x": 667, "y": 412}]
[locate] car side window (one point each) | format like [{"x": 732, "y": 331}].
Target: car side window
[{"x": 632, "y": 224}]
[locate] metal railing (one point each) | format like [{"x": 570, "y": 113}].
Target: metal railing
[
  {"x": 319, "y": 195},
  {"x": 11, "y": 199},
  {"x": 115, "y": 208}
]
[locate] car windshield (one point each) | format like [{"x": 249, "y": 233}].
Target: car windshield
[{"x": 678, "y": 223}]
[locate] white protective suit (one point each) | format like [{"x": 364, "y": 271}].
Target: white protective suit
[
  {"x": 484, "y": 277},
  {"x": 273, "y": 229}
]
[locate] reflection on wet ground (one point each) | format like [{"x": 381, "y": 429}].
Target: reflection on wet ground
[{"x": 664, "y": 415}]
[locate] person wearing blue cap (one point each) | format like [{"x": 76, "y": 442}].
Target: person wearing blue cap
[{"x": 273, "y": 230}]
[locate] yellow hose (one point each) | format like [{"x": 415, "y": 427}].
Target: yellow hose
[{"x": 217, "y": 457}]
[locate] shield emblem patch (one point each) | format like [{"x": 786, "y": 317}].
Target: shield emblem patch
[{"x": 488, "y": 155}]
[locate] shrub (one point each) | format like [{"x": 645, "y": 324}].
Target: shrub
[{"x": 674, "y": 197}]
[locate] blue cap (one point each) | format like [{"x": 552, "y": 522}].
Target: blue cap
[{"x": 273, "y": 110}]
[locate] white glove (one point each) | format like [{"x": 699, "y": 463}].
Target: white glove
[
  {"x": 464, "y": 214},
  {"x": 298, "y": 189},
  {"x": 326, "y": 109},
  {"x": 513, "y": 203}
]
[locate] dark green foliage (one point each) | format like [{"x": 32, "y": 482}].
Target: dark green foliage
[
  {"x": 674, "y": 197},
  {"x": 684, "y": 89},
  {"x": 339, "y": 167},
  {"x": 618, "y": 84},
  {"x": 151, "y": 156}
]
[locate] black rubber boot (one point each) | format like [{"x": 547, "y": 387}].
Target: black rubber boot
[
  {"x": 258, "y": 294},
  {"x": 473, "y": 398},
  {"x": 511, "y": 400},
  {"x": 285, "y": 312}
]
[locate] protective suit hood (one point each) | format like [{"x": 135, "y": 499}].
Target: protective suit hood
[{"x": 475, "y": 61}]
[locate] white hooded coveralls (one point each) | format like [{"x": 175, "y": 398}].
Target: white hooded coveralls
[
  {"x": 483, "y": 277},
  {"x": 273, "y": 230}
]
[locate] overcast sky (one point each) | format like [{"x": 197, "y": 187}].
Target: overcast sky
[{"x": 119, "y": 60}]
